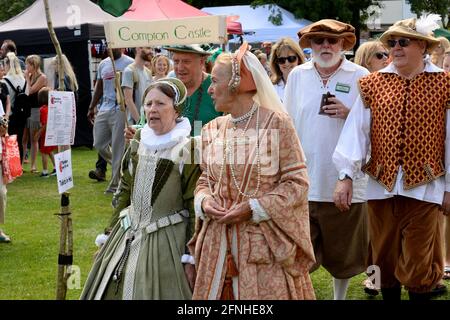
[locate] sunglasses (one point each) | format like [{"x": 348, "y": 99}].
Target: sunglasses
[
  {"x": 381, "y": 55},
  {"x": 320, "y": 41},
  {"x": 290, "y": 59},
  {"x": 403, "y": 42}
]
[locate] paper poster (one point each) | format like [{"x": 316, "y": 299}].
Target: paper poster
[
  {"x": 63, "y": 164},
  {"x": 61, "y": 119}
]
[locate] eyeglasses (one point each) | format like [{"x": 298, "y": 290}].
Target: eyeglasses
[
  {"x": 320, "y": 41},
  {"x": 381, "y": 55},
  {"x": 290, "y": 59},
  {"x": 403, "y": 42}
]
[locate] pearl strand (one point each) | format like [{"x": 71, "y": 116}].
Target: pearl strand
[
  {"x": 258, "y": 165},
  {"x": 228, "y": 151},
  {"x": 245, "y": 116},
  {"x": 208, "y": 163}
]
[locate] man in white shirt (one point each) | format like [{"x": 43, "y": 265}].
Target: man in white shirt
[
  {"x": 135, "y": 79},
  {"x": 340, "y": 240},
  {"x": 107, "y": 118},
  {"x": 401, "y": 113}
]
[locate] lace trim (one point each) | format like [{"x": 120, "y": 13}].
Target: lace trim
[
  {"x": 258, "y": 212},
  {"x": 198, "y": 206}
]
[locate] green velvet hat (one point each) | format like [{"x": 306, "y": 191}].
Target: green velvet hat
[
  {"x": 178, "y": 87},
  {"x": 188, "y": 48}
]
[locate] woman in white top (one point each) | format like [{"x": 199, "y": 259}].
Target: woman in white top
[
  {"x": 15, "y": 81},
  {"x": 286, "y": 54}
]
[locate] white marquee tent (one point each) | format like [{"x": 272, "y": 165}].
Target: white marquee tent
[{"x": 255, "y": 23}]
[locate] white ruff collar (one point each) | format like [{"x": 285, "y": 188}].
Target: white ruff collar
[{"x": 168, "y": 140}]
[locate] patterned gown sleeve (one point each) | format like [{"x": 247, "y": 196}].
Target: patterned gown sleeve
[{"x": 287, "y": 232}]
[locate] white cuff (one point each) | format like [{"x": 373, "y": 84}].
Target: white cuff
[
  {"x": 198, "y": 205},
  {"x": 258, "y": 212},
  {"x": 346, "y": 172},
  {"x": 447, "y": 187},
  {"x": 186, "y": 258},
  {"x": 101, "y": 239}
]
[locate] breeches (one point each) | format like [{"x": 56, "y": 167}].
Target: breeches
[{"x": 406, "y": 243}]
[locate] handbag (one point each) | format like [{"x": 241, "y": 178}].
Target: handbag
[{"x": 11, "y": 164}]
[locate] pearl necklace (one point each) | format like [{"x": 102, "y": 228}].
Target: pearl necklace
[
  {"x": 258, "y": 164},
  {"x": 245, "y": 116},
  {"x": 227, "y": 151}
]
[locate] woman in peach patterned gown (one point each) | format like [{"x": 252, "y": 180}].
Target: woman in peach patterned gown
[{"x": 252, "y": 237}]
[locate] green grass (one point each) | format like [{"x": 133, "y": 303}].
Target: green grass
[{"x": 28, "y": 265}]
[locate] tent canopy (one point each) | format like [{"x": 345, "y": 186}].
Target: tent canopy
[
  {"x": 161, "y": 10},
  {"x": 170, "y": 9},
  {"x": 73, "y": 20},
  {"x": 255, "y": 23}
]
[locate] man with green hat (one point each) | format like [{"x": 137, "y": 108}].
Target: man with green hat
[
  {"x": 402, "y": 115},
  {"x": 189, "y": 62}
]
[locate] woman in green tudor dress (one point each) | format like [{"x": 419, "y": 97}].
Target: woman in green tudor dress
[{"x": 145, "y": 255}]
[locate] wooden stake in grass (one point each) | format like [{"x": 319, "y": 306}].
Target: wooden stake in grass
[{"x": 65, "y": 257}]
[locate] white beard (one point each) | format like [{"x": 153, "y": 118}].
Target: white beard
[{"x": 326, "y": 64}]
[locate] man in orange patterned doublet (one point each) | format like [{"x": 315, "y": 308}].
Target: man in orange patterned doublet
[{"x": 402, "y": 115}]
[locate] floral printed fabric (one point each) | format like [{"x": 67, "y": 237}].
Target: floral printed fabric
[{"x": 274, "y": 256}]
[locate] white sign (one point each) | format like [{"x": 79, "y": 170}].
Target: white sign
[
  {"x": 129, "y": 34},
  {"x": 63, "y": 164},
  {"x": 61, "y": 119}
]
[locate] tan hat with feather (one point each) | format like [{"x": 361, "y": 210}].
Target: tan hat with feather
[{"x": 420, "y": 29}]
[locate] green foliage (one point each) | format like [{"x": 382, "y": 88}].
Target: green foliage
[
  {"x": 28, "y": 265},
  {"x": 354, "y": 12},
  {"x": 11, "y": 8},
  {"x": 441, "y": 7},
  {"x": 343, "y": 10}
]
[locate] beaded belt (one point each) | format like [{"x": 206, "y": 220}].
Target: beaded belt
[{"x": 167, "y": 221}]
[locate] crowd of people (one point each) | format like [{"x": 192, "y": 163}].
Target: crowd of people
[{"x": 237, "y": 175}]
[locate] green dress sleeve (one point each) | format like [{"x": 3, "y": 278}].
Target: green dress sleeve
[
  {"x": 122, "y": 197},
  {"x": 190, "y": 174}
]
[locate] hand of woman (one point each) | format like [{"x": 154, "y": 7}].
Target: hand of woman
[
  {"x": 191, "y": 274},
  {"x": 212, "y": 209},
  {"x": 237, "y": 214},
  {"x": 336, "y": 109},
  {"x": 91, "y": 115},
  {"x": 3, "y": 131},
  {"x": 129, "y": 133}
]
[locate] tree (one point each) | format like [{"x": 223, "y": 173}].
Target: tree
[
  {"x": 354, "y": 12},
  {"x": 441, "y": 7},
  {"x": 12, "y": 8}
]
